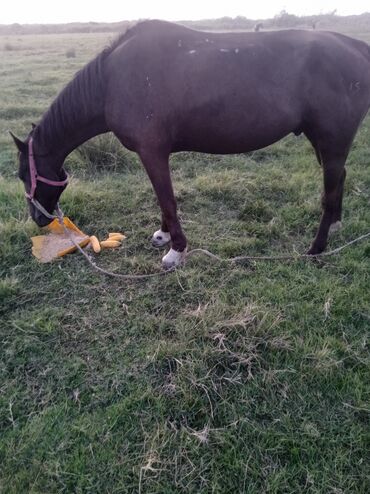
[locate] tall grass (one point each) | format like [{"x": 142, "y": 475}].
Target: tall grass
[{"x": 104, "y": 154}]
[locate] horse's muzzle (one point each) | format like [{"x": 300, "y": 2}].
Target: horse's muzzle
[{"x": 40, "y": 219}]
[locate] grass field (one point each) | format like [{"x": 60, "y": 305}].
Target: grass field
[{"x": 215, "y": 379}]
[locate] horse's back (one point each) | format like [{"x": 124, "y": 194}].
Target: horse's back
[{"x": 234, "y": 92}]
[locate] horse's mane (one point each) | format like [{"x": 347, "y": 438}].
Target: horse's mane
[{"x": 81, "y": 100}]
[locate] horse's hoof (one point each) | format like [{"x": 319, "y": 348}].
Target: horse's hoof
[
  {"x": 174, "y": 259},
  {"x": 334, "y": 227},
  {"x": 159, "y": 238},
  {"x": 313, "y": 250}
]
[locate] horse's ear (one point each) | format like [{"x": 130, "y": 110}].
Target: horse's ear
[
  {"x": 22, "y": 146},
  {"x": 33, "y": 126}
]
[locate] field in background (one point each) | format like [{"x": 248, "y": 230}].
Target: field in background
[{"x": 216, "y": 379}]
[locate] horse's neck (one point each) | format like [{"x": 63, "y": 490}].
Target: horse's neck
[
  {"x": 76, "y": 115},
  {"x": 62, "y": 143}
]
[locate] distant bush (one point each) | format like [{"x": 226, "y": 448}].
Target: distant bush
[
  {"x": 71, "y": 53},
  {"x": 9, "y": 47}
]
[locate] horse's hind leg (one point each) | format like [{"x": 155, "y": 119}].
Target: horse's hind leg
[
  {"x": 157, "y": 167},
  {"x": 334, "y": 176},
  {"x": 337, "y": 216}
]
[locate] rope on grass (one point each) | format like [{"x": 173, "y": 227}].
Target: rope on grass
[
  {"x": 119, "y": 275},
  {"x": 277, "y": 257},
  {"x": 212, "y": 256}
]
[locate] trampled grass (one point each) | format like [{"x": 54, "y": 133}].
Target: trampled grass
[{"x": 218, "y": 378}]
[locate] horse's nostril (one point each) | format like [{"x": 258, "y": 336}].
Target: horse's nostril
[{"x": 159, "y": 237}]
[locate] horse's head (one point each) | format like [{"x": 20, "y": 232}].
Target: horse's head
[{"x": 43, "y": 177}]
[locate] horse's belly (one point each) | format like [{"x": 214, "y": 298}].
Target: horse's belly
[{"x": 233, "y": 136}]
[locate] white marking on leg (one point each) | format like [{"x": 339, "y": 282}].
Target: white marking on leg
[
  {"x": 174, "y": 258},
  {"x": 160, "y": 238},
  {"x": 334, "y": 227}
]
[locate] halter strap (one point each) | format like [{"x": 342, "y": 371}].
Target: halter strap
[{"x": 35, "y": 177}]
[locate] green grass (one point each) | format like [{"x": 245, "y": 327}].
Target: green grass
[{"x": 216, "y": 379}]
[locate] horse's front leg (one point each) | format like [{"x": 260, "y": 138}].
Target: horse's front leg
[{"x": 157, "y": 166}]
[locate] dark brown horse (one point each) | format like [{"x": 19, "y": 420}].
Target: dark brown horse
[{"x": 163, "y": 88}]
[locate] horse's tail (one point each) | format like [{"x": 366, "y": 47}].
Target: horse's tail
[
  {"x": 368, "y": 49},
  {"x": 368, "y": 57}
]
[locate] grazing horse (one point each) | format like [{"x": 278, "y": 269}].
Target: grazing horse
[{"x": 163, "y": 88}]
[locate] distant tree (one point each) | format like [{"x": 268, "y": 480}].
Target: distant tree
[
  {"x": 283, "y": 19},
  {"x": 240, "y": 21},
  {"x": 16, "y": 28}
]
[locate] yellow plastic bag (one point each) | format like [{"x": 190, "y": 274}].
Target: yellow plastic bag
[{"x": 58, "y": 243}]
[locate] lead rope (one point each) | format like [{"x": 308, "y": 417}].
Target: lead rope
[
  {"x": 278, "y": 257},
  {"x": 219, "y": 259},
  {"x": 204, "y": 252}
]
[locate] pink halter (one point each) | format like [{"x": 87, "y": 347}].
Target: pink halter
[{"x": 38, "y": 178}]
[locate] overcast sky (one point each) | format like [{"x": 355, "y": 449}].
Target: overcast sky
[{"x": 49, "y": 11}]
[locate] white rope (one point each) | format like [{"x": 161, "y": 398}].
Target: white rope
[
  {"x": 118, "y": 275},
  {"x": 277, "y": 257}
]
